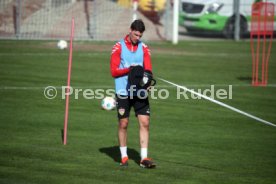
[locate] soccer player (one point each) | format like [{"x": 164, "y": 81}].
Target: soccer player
[{"x": 127, "y": 53}]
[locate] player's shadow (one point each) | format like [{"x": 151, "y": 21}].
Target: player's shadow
[{"x": 114, "y": 153}]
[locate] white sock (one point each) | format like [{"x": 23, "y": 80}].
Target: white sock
[
  {"x": 123, "y": 151},
  {"x": 144, "y": 153}
]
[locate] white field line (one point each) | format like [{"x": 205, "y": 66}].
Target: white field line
[
  {"x": 220, "y": 103},
  {"x": 104, "y": 52},
  {"x": 57, "y": 87},
  {"x": 111, "y": 87},
  {"x": 215, "y": 85},
  {"x": 65, "y": 53}
]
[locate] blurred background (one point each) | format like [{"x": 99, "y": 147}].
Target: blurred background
[{"x": 110, "y": 19}]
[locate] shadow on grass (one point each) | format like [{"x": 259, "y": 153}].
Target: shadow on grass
[
  {"x": 243, "y": 78},
  {"x": 114, "y": 153},
  {"x": 62, "y": 135}
]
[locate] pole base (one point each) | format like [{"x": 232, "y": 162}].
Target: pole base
[{"x": 257, "y": 84}]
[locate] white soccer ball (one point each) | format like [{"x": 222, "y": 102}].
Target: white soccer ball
[
  {"x": 108, "y": 103},
  {"x": 62, "y": 44}
]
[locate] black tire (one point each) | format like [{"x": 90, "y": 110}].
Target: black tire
[
  {"x": 229, "y": 29},
  {"x": 189, "y": 30}
]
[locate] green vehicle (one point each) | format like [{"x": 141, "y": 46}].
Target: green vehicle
[{"x": 216, "y": 16}]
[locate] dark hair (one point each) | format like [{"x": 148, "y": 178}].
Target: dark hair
[{"x": 138, "y": 25}]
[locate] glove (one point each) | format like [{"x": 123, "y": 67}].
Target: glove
[
  {"x": 147, "y": 80},
  {"x": 141, "y": 78},
  {"x": 135, "y": 75}
]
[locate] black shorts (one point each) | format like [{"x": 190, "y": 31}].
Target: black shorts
[{"x": 124, "y": 104}]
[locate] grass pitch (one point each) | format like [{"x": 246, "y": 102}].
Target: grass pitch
[{"x": 192, "y": 141}]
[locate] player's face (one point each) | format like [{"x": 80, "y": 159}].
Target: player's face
[{"x": 135, "y": 36}]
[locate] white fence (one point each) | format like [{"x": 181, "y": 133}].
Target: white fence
[{"x": 94, "y": 20}]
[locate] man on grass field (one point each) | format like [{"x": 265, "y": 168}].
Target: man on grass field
[{"x": 130, "y": 62}]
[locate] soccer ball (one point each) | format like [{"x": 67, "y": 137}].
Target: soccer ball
[
  {"x": 108, "y": 103},
  {"x": 62, "y": 44}
]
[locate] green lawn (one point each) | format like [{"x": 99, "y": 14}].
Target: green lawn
[{"x": 192, "y": 141}]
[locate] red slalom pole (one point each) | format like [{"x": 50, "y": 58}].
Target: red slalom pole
[
  {"x": 262, "y": 24},
  {"x": 68, "y": 82}
]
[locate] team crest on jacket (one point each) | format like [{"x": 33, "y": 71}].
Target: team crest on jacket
[{"x": 121, "y": 111}]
